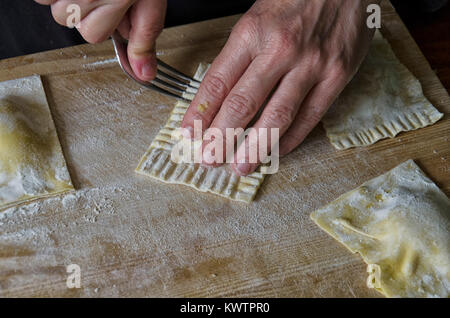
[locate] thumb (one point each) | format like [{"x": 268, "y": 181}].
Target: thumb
[{"x": 147, "y": 21}]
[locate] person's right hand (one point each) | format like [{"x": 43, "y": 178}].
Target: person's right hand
[{"x": 139, "y": 21}]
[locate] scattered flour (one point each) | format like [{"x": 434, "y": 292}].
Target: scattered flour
[
  {"x": 61, "y": 173},
  {"x": 24, "y": 210},
  {"x": 91, "y": 203},
  {"x": 33, "y": 183},
  {"x": 100, "y": 63}
]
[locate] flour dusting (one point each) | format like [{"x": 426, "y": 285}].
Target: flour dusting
[{"x": 94, "y": 65}]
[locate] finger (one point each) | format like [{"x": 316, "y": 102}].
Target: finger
[
  {"x": 46, "y": 2},
  {"x": 125, "y": 26},
  {"x": 246, "y": 98},
  {"x": 102, "y": 21},
  {"x": 147, "y": 22},
  {"x": 311, "y": 112},
  {"x": 279, "y": 114},
  {"x": 222, "y": 76}
]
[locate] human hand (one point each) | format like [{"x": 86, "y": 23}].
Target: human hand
[
  {"x": 310, "y": 49},
  {"x": 139, "y": 21}
]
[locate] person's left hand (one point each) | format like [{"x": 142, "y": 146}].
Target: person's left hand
[
  {"x": 139, "y": 21},
  {"x": 310, "y": 49}
]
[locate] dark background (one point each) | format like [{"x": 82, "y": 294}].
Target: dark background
[
  {"x": 431, "y": 31},
  {"x": 27, "y": 27}
]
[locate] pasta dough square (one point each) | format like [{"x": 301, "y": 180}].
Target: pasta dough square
[
  {"x": 32, "y": 164},
  {"x": 157, "y": 163},
  {"x": 399, "y": 223},
  {"x": 382, "y": 100}
]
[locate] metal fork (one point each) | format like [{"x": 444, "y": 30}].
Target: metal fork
[{"x": 168, "y": 81}]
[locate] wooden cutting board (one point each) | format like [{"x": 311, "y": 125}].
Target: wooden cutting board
[{"x": 134, "y": 236}]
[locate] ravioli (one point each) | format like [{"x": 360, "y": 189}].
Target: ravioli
[
  {"x": 382, "y": 100},
  {"x": 399, "y": 223},
  {"x": 32, "y": 165},
  {"x": 157, "y": 162}
]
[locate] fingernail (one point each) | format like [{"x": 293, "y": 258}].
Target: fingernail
[
  {"x": 243, "y": 168},
  {"x": 146, "y": 71},
  {"x": 187, "y": 132}
]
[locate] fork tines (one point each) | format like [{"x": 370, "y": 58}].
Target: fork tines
[
  {"x": 169, "y": 81},
  {"x": 175, "y": 82}
]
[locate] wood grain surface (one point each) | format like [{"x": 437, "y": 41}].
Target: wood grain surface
[{"x": 135, "y": 236}]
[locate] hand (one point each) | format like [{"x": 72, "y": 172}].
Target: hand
[
  {"x": 139, "y": 21},
  {"x": 307, "y": 50}
]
